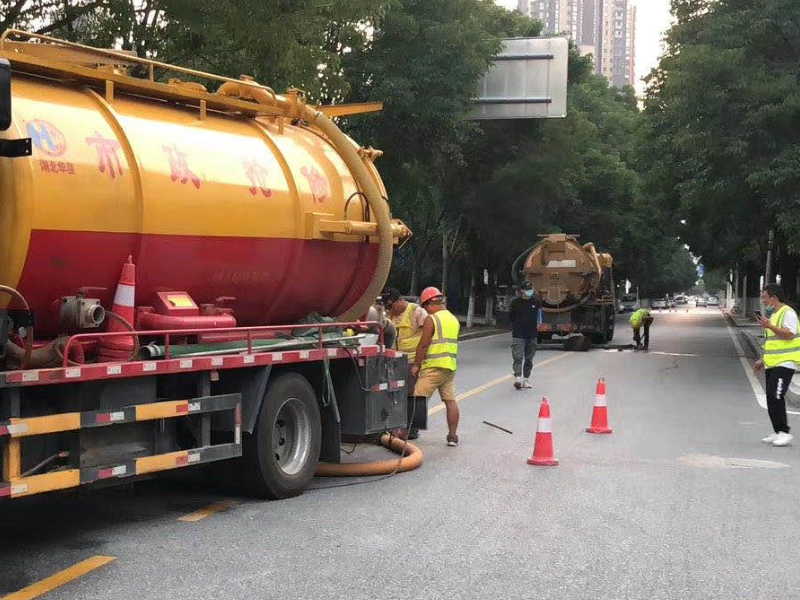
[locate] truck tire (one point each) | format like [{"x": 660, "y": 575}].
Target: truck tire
[{"x": 282, "y": 453}]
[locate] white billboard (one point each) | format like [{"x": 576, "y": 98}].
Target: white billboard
[{"x": 528, "y": 80}]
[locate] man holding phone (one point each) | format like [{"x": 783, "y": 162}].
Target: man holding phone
[{"x": 781, "y": 358}]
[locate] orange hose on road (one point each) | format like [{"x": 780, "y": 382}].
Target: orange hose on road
[{"x": 412, "y": 460}]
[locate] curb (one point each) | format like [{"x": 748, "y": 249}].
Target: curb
[
  {"x": 472, "y": 335},
  {"x": 752, "y": 348}
]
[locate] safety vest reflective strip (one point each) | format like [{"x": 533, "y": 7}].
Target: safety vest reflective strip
[
  {"x": 776, "y": 350},
  {"x": 408, "y": 335},
  {"x": 443, "y": 351}
]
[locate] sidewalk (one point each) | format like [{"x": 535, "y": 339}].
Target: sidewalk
[{"x": 479, "y": 328}]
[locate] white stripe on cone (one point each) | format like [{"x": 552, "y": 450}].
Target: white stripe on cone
[
  {"x": 545, "y": 425},
  {"x": 125, "y": 295},
  {"x": 600, "y": 400}
]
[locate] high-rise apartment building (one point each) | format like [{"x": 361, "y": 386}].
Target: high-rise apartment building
[
  {"x": 546, "y": 11},
  {"x": 603, "y": 28}
]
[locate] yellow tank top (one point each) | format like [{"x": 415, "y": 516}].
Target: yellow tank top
[{"x": 408, "y": 334}]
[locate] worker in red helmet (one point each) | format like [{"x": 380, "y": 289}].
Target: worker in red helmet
[{"x": 435, "y": 361}]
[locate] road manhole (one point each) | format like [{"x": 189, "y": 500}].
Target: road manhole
[{"x": 710, "y": 461}]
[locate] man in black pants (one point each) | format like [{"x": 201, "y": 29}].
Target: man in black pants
[
  {"x": 781, "y": 357},
  {"x": 524, "y": 317}
]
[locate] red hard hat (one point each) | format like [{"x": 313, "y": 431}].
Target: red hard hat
[{"x": 429, "y": 293}]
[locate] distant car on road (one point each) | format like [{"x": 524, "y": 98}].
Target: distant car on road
[
  {"x": 681, "y": 300},
  {"x": 658, "y": 303},
  {"x": 629, "y": 303},
  {"x": 700, "y": 302},
  {"x": 712, "y": 301}
]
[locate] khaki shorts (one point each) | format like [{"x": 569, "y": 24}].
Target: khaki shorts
[{"x": 434, "y": 378}]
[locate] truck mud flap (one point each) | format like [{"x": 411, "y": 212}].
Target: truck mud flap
[{"x": 14, "y": 484}]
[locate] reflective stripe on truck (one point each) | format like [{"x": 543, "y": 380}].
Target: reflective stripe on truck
[{"x": 16, "y": 484}]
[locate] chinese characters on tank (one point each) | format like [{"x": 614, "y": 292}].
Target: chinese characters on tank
[
  {"x": 107, "y": 157},
  {"x": 258, "y": 176},
  {"x": 179, "y": 166}
]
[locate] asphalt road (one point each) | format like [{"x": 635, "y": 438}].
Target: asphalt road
[{"x": 673, "y": 504}]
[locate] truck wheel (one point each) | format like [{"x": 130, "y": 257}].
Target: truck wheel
[{"x": 282, "y": 453}]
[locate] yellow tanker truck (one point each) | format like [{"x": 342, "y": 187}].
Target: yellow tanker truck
[
  {"x": 575, "y": 284},
  {"x": 159, "y": 238}
]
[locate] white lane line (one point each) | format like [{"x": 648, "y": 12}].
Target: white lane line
[
  {"x": 494, "y": 382},
  {"x": 758, "y": 389}
]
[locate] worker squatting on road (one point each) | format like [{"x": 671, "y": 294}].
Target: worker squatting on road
[
  {"x": 639, "y": 319},
  {"x": 781, "y": 357},
  {"x": 524, "y": 316},
  {"x": 408, "y": 319},
  {"x": 435, "y": 361}
]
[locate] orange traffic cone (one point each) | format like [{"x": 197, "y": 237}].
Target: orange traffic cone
[
  {"x": 543, "y": 445},
  {"x": 120, "y": 348},
  {"x": 600, "y": 412}
]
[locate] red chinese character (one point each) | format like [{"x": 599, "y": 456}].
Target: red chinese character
[
  {"x": 70, "y": 168},
  {"x": 45, "y": 165},
  {"x": 179, "y": 166},
  {"x": 258, "y": 176},
  {"x": 317, "y": 183},
  {"x": 106, "y": 154}
]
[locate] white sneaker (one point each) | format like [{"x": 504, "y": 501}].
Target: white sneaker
[
  {"x": 770, "y": 438},
  {"x": 783, "y": 439},
  {"x": 518, "y": 383},
  {"x": 526, "y": 384}
]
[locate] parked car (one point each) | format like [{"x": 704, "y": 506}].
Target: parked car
[
  {"x": 629, "y": 303},
  {"x": 713, "y": 301},
  {"x": 700, "y": 302},
  {"x": 659, "y": 303},
  {"x": 681, "y": 300}
]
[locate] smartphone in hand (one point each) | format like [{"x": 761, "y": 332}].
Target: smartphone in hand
[{"x": 757, "y": 313}]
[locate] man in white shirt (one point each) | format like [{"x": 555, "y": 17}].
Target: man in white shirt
[{"x": 781, "y": 357}]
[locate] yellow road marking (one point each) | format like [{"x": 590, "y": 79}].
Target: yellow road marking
[
  {"x": 62, "y": 577},
  {"x": 490, "y": 384},
  {"x": 207, "y": 511}
]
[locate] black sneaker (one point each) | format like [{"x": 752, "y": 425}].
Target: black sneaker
[{"x": 452, "y": 440}]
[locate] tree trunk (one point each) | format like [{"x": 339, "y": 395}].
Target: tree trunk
[
  {"x": 412, "y": 288},
  {"x": 744, "y": 296},
  {"x": 471, "y": 305},
  {"x": 445, "y": 262},
  {"x": 489, "y": 309}
]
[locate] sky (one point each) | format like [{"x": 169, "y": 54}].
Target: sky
[{"x": 653, "y": 19}]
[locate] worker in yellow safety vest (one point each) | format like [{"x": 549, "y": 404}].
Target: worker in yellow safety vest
[
  {"x": 408, "y": 319},
  {"x": 436, "y": 359},
  {"x": 641, "y": 318},
  {"x": 781, "y": 359}
]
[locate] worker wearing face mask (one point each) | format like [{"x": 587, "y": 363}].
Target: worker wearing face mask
[{"x": 524, "y": 316}]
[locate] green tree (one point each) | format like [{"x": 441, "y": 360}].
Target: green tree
[
  {"x": 721, "y": 114},
  {"x": 424, "y": 62}
]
